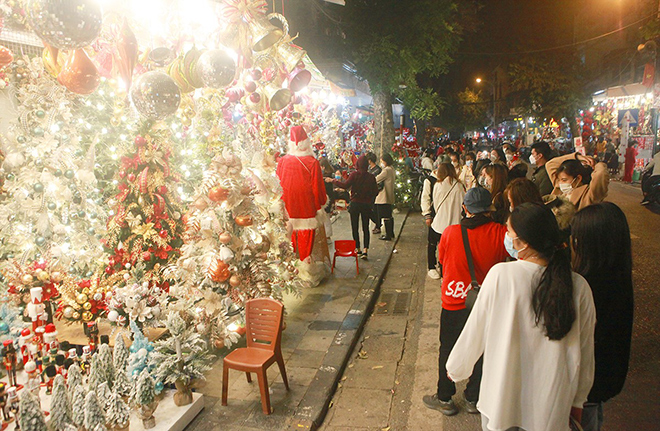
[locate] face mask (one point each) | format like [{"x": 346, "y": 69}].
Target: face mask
[
  {"x": 455, "y": 164},
  {"x": 493, "y": 158},
  {"x": 468, "y": 163},
  {"x": 338, "y": 177},
  {"x": 482, "y": 182},
  {"x": 532, "y": 159},
  {"x": 566, "y": 188},
  {"x": 509, "y": 157},
  {"x": 508, "y": 244}
]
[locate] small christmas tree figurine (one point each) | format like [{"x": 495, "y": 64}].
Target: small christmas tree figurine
[
  {"x": 73, "y": 378},
  {"x": 145, "y": 399},
  {"x": 118, "y": 413},
  {"x": 30, "y": 415},
  {"x": 60, "y": 409},
  {"x": 181, "y": 358},
  {"x": 122, "y": 383},
  {"x": 96, "y": 373},
  {"x": 105, "y": 364},
  {"x": 78, "y": 405},
  {"x": 140, "y": 350},
  {"x": 94, "y": 416},
  {"x": 103, "y": 394},
  {"x": 120, "y": 354}
]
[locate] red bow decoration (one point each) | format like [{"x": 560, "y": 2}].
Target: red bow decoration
[
  {"x": 130, "y": 162},
  {"x": 162, "y": 252}
]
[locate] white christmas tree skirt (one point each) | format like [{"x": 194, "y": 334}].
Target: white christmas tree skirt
[{"x": 169, "y": 416}]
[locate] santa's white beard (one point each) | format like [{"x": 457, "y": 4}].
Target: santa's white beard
[{"x": 303, "y": 148}]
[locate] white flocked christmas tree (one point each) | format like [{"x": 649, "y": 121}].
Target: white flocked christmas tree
[
  {"x": 105, "y": 364},
  {"x": 94, "y": 415},
  {"x": 78, "y": 405},
  {"x": 60, "y": 409},
  {"x": 74, "y": 378},
  {"x": 118, "y": 412},
  {"x": 30, "y": 415}
]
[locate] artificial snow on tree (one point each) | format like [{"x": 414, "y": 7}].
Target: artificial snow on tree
[
  {"x": 96, "y": 373},
  {"x": 105, "y": 364},
  {"x": 140, "y": 350},
  {"x": 94, "y": 415},
  {"x": 30, "y": 416},
  {"x": 50, "y": 206},
  {"x": 118, "y": 413},
  {"x": 78, "y": 405},
  {"x": 181, "y": 358},
  {"x": 122, "y": 384},
  {"x": 60, "y": 409},
  {"x": 103, "y": 394},
  {"x": 120, "y": 354},
  {"x": 11, "y": 322},
  {"x": 145, "y": 399},
  {"x": 74, "y": 378}
]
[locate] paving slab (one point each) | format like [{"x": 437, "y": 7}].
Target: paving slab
[
  {"x": 370, "y": 373},
  {"x": 362, "y": 408}
]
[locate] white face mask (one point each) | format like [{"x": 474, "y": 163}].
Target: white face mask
[
  {"x": 566, "y": 188},
  {"x": 532, "y": 159},
  {"x": 468, "y": 163},
  {"x": 455, "y": 164},
  {"x": 493, "y": 158},
  {"x": 509, "y": 157}
]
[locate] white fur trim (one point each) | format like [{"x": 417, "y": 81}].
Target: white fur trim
[
  {"x": 302, "y": 148},
  {"x": 304, "y": 223}
]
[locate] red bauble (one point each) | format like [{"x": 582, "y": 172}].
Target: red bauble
[
  {"x": 79, "y": 75},
  {"x": 218, "y": 194},
  {"x": 109, "y": 270},
  {"x": 255, "y": 97},
  {"x": 131, "y": 177},
  {"x": 122, "y": 174},
  {"x": 146, "y": 255},
  {"x": 140, "y": 141},
  {"x": 256, "y": 74},
  {"x": 162, "y": 233},
  {"x": 243, "y": 220},
  {"x": 6, "y": 57},
  {"x": 162, "y": 190},
  {"x": 251, "y": 86}
]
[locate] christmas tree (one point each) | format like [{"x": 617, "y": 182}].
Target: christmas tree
[
  {"x": 103, "y": 394},
  {"x": 29, "y": 413},
  {"x": 74, "y": 378},
  {"x": 120, "y": 354},
  {"x": 144, "y": 390},
  {"x": 183, "y": 356},
  {"x": 96, "y": 373},
  {"x": 60, "y": 409},
  {"x": 105, "y": 364},
  {"x": 146, "y": 225},
  {"x": 50, "y": 210},
  {"x": 94, "y": 416},
  {"x": 118, "y": 412},
  {"x": 78, "y": 405},
  {"x": 140, "y": 350}
]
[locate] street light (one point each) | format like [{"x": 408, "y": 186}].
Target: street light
[{"x": 479, "y": 81}]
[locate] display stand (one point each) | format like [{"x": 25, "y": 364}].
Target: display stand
[{"x": 73, "y": 333}]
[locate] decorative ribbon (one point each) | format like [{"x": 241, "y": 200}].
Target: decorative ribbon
[
  {"x": 246, "y": 10},
  {"x": 143, "y": 180}
]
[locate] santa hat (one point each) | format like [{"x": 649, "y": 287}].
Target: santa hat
[
  {"x": 26, "y": 332},
  {"x": 51, "y": 330},
  {"x": 299, "y": 144},
  {"x": 298, "y": 134}
]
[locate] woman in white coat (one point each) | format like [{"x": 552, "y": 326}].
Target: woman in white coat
[
  {"x": 533, "y": 322},
  {"x": 448, "y": 194}
]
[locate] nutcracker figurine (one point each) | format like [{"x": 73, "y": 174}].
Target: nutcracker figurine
[
  {"x": 3, "y": 404},
  {"x": 10, "y": 361},
  {"x": 50, "y": 337},
  {"x": 35, "y": 351},
  {"x": 85, "y": 360},
  {"x": 36, "y": 308},
  {"x": 67, "y": 364},
  {"x": 59, "y": 364},
  {"x": 93, "y": 335},
  {"x": 33, "y": 382},
  {"x": 24, "y": 343},
  {"x": 12, "y": 404},
  {"x": 49, "y": 374}
]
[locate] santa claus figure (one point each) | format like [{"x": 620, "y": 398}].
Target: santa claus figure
[
  {"x": 50, "y": 338},
  {"x": 303, "y": 191}
]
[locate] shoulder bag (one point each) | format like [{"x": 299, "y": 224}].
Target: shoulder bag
[{"x": 472, "y": 294}]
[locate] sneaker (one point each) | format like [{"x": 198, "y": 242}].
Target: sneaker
[
  {"x": 447, "y": 408},
  {"x": 434, "y": 274},
  {"x": 385, "y": 238},
  {"x": 364, "y": 255},
  {"x": 470, "y": 406},
  {"x": 375, "y": 231},
  {"x": 358, "y": 252}
]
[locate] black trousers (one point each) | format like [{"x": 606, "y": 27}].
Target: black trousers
[
  {"x": 451, "y": 325},
  {"x": 385, "y": 214},
  {"x": 359, "y": 210},
  {"x": 432, "y": 248}
]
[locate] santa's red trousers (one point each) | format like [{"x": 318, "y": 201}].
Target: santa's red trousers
[{"x": 303, "y": 242}]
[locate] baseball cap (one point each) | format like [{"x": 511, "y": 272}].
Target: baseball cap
[{"x": 478, "y": 200}]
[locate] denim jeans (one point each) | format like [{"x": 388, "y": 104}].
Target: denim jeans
[{"x": 592, "y": 416}]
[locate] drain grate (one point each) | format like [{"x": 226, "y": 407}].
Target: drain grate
[{"x": 393, "y": 303}]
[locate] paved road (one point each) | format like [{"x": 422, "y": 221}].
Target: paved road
[{"x": 396, "y": 362}]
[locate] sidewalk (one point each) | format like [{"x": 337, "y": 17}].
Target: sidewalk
[
  {"x": 323, "y": 325},
  {"x": 395, "y": 362}
]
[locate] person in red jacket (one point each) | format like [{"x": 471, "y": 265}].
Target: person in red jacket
[{"x": 486, "y": 239}]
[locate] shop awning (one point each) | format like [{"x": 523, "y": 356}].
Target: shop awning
[{"x": 621, "y": 91}]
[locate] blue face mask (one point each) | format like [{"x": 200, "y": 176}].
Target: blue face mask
[
  {"x": 508, "y": 244},
  {"x": 338, "y": 177}
]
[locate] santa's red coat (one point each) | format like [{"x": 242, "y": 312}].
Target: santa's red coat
[{"x": 303, "y": 189}]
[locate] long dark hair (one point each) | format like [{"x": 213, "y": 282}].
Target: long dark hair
[
  {"x": 446, "y": 170},
  {"x": 552, "y": 299},
  {"x": 574, "y": 168},
  {"x": 600, "y": 238}
]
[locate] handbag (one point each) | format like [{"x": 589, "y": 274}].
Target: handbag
[{"x": 473, "y": 293}]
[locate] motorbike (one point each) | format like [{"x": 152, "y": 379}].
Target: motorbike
[{"x": 650, "y": 186}]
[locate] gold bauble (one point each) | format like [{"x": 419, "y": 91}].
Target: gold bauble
[
  {"x": 43, "y": 275},
  {"x": 225, "y": 237},
  {"x": 27, "y": 279},
  {"x": 187, "y": 122},
  {"x": 87, "y": 305},
  {"x": 81, "y": 298},
  {"x": 235, "y": 281},
  {"x": 56, "y": 277},
  {"x": 68, "y": 312},
  {"x": 85, "y": 290},
  {"x": 116, "y": 122},
  {"x": 87, "y": 316},
  {"x": 76, "y": 315}
]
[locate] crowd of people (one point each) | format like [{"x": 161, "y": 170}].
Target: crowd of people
[{"x": 537, "y": 295}]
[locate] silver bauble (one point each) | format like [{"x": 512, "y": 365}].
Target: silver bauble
[
  {"x": 215, "y": 68},
  {"x": 155, "y": 95},
  {"x": 65, "y": 24}
]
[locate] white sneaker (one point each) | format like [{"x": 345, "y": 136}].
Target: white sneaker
[{"x": 434, "y": 274}]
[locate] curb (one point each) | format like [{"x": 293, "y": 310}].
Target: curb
[{"x": 313, "y": 407}]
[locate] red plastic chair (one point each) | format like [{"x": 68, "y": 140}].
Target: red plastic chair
[
  {"x": 345, "y": 248},
  {"x": 263, "y": 321}
]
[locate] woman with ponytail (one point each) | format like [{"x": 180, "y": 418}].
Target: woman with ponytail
[{"x": 533, "y": 322}]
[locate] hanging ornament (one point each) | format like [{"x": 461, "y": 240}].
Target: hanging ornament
[
  {"x": 265, "y": 34},
  {"x": 218, "y": 194},
  {"x": 155, "y": 95},
  {"x": 278, "y": 98},
  {"x": 215, "y": 68},
  {"x": 299, "y": 79},
  {"x": 219, "y": 271},
  {"x": 126, "y": 54},
  {"x": 225, "y": 237},
  {"x": 6, "y": 57},
  {"x": 79, "y": 75},
  {"x": 65, "y": 24},
  {"x": 243, "y": 220}
]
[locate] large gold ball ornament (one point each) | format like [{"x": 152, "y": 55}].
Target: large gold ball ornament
[
  {"x": 27, "y": 279},
  {"x": 155, "y": 95},
  {"x": 81, "y": 298},
  {"x": 56, "y": 277},
  {"x": 243, "y": 220},
  {"x": 43, "y": 276},
  {"x": 68, "y": 312},
  {"x": 235, "y": 280},
  {"x": 85, "y": 290},
  {"x": 87, "y": 316},
  {"x": 87, "y": 305},
  {"x": 76, "y": 315}
]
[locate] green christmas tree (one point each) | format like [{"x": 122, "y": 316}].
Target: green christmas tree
[
  {"x": 78, "y": 405},
  {"x": 96, "y": 373},
  {"x": 120, "y": 354},
  {"x": 60, "y": 409},
  {"x": 94, "y": 415},
  {"x": 74, "y": 378},
  {"x": 144, "y": 389},
  {"x": 118, "y": 411},
  {"x": 29, "y": 413},
  {"x": 105, "y": 364}
]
